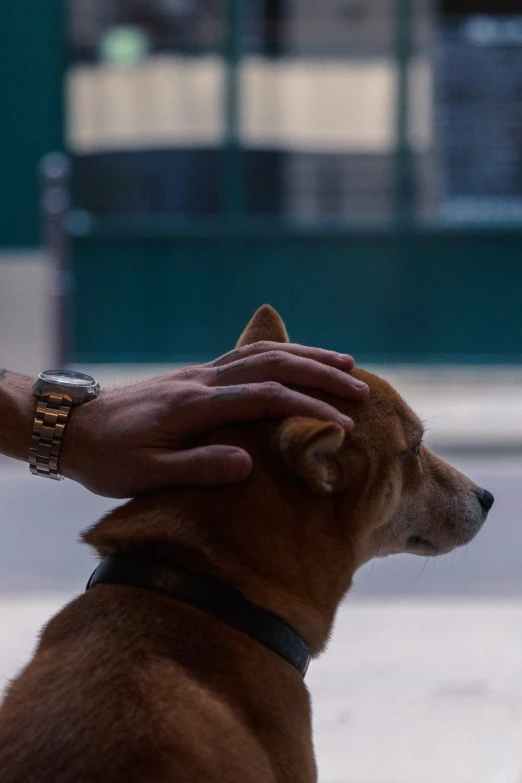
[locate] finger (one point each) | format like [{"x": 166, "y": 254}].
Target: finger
[
  {"x": 342, "y": 361},
  {"x": 289, "y": 369},
  {"x": 235, "y": 404},
  {"x": 206, "y": 466}
]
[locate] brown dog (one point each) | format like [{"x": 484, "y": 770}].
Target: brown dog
[{"x": 131, "y": 684}]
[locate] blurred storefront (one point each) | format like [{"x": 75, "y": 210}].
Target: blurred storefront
[
  {"x": 316, "y": 124},
  {"x": 358, "y": 164}
]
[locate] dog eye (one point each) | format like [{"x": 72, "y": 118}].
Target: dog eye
[{"x": 416, "y": 449}]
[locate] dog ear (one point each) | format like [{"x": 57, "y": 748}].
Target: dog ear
[
  {"x": 265, "y": 324},
  {"x": 311, "y": 448}
]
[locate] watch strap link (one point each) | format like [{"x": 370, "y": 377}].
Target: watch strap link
[{"x": 52, "y": 411}]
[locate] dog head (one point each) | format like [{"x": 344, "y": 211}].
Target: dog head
[
  {"x": 393, "y": 492},
  {"x": 319, "y": 503}
]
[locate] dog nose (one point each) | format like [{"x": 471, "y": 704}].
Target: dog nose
[{"x": 485, "y": 499}]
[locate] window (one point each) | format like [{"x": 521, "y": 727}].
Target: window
[{"x": 479, "y": 109}]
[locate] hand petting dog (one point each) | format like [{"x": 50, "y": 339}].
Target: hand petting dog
[{"x": 133, "y": 440}]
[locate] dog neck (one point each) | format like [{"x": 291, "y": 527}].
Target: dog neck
[
  {"x": 208, "y": 595},
  {"x": 287, "y": 557}
]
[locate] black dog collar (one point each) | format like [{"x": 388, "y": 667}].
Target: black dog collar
[{"x": 209, "y": 595}]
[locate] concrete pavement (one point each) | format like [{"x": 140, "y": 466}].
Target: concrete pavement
[
  {"x": 464, "y": 408},
  {"x": 427, "y": 692},
  {"x": 26, "y": 311},
  {"x": 408, "y": 692}
]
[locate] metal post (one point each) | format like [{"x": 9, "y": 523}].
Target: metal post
[
  {"x": 233, "y": 191},
  {"x": 54, "y": 170},
  {"x": 405, "y": 174}
]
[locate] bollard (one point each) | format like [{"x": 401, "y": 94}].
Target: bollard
[{"x": 54, "y": 172}]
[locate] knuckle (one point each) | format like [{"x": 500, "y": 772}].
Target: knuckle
[
  {"x": 273, "y": 389},
  {"x": 274, "y": 358},
  {"x": 262, "y": 346},
  {"x": 184, "y": 394},
  {"x": 332, "y": 372},
  {"x": 205, "y": 376},
  {"x": 189, "y": 374},
  {"x": 191, "y": 463},
  {"x": 279, "y": 357}
]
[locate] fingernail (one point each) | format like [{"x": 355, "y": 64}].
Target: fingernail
[
  {"x": 359, "y": 384},
  {"x": 344, "y": 357},
  {"x": 345, "y": 419},
  {"x": 236, "y": 456}
]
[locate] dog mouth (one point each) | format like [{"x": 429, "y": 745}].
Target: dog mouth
[{"x": 420, "y": 545}]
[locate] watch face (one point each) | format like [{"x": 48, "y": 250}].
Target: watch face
[{"x": 67, "y": 378}]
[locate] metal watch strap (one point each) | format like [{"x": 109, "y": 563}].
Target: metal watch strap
[{"x": 52, "y": 411}]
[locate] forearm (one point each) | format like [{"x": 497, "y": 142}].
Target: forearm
[{"x": 17, "y": 408}]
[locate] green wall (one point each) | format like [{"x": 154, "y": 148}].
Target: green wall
[
  {"x": 428, "y": 296},
  {"x": 31, "y": 78}
]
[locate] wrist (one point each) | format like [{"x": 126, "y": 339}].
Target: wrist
[
  {"x": 17, "y": 411},
  {"x": 77, "y": 443}
]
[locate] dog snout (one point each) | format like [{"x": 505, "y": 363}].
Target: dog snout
[{"x": 485, "y": 499}]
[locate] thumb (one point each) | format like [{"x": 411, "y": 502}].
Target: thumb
[{"x": 206, "y": 466}]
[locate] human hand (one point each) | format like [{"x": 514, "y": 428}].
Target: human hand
[{"x": 130, "y": 441}]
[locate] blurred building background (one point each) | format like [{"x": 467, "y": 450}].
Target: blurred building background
[
  {"x": 364, "y": 157},
  {"x": 357, "y": 164}
]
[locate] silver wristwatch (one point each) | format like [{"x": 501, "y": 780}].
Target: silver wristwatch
[{"x": 57, "y": 392}]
